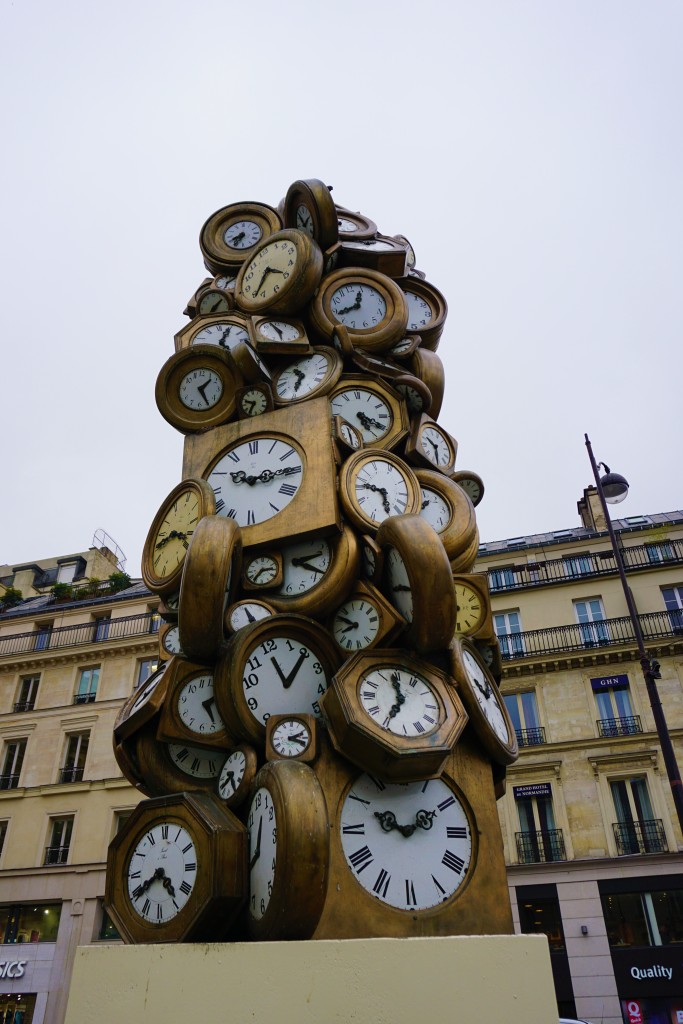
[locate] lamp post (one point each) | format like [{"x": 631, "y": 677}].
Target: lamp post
[{"x": 613, "y": 488}]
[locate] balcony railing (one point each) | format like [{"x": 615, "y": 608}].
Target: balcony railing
[
  {"x": 10, "y": 781},
  {"x": 56, "y": 854},
  {"x": 598, "y": 563},
  {"x": 76, "y": 636},
  {"x": 85, "y": 698},
  {"x": 530, "y": 737},
  {"x": 540, "y": 847},
  {"x": 640, "y": 837},
  {"x": 24, "y": 705},
  {"x": 627, "y": 726},
  {"x": 71, "y": 774},
  {"x": 589, "y": 635}
]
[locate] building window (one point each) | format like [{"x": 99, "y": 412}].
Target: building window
[
  {"x": 502, "y": 579},
  {"x": 74, "y": 757},
  {"x": 57, "y": 851},
  {"x": 66, "y": 572},
  {"x": 508, "y": 626},
  {"x": 30, "y": 922},
  {"x": 659, "y": 552},
  {"x": 524, "y": 715},
  {"x": 636, "y": 829},
  {"x": 101, "y": 628},
  {"x": 673, "y": 600},
  {"x": 87, "y": 685},
  {"x": 28, "y": 689},
  {"x": 145, "y": 669},
  {"x": 154, "y": 621},
  {"x": 539, "y": 840},
  {"x": 542, "y": 917},
  {"x": 3, "y": 835},
  {"x": 614, "y": 707},
  {"x": 107, "y": 930},
  {"x": 11, "y": 765},
  {"x": 43, "y": 634},
  {"x": 644, "y": 918},
  {"x": 578, "y": 565},
  {"x": 590, "y": 615}
]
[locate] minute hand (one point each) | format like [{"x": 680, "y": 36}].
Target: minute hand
[{"x": 288, "y": 680}]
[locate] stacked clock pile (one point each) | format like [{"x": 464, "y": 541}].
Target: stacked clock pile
[{"x": 324, "y": 741}]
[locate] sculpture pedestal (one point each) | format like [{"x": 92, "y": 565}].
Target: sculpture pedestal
[{"x": 487, "y": 979}]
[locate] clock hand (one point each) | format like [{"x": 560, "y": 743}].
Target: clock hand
[
  {"x": 215, "y": 306},
  {"x": 302, "y": 563},
  {"x": 265, "y": 275},
  {"x": 257, "y": 851},
  {"x": 387, "y": 820},
  {"x": 400, "y": 695},
  {"x": 380, "y": 490},
  {"x": 251, "y": 618},
  {"x": 401, "y": 586},
  {"x": 298, "y": 737},
  {"x": 423, "y": 819},
  {"x": 351, "y": 309},
  {"x": 248, "y": 406},
  {"x": 224, "y": 336},
  {"x": 367, "y": 421},
  {"x": 300, "y": 375},
  {"x": 202, "y": 388},
  {"x": 238, "y": 238},
  {"x": 264, "y": 568},
  {"x": 168, "y": 885},
  {"x": 288, "y": 680},
  {"x": 425, "y": 503},
  {"x": 206, "y": 704},
  {"x": 231, "y": 776},
  {"x": 276, "y": 328},
  {"x": 352, "y": 625},
  {"x": 264, "y": 477}
]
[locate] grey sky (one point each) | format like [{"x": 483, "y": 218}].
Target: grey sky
[{"x": 531, "y": 151}]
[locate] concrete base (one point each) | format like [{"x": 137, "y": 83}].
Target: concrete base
[{"x": 487, "y": 979}]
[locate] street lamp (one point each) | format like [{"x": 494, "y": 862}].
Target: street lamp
[{"x": 613, "y": 488}]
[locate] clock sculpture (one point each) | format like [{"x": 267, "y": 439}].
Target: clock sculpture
[{"x": 324, "y": 741}]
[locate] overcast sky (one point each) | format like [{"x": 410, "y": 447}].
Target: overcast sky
[{"x": 531, "y": 151}]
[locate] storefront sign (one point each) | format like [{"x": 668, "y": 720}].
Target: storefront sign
[
  {"x": 524, "y": 792},
  {"x": 12, "y": 968},
  {"x": 610, "y": 683},
  {"x": 648, "y": 973},
  {"x": 634, "y": 1012}
]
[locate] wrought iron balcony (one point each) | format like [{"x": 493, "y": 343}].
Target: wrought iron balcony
[
  {"x": 24, "y": 705},
  {"x": 573, "y": 567},
  {"x": 530, "y": 737},
  {"x": 71, "y": 774},
  {"x": 640, "y": 837},
  {"x": 9, "y": 781},
  {"x": 627, "y": 726},
  {"x": 84, "y": 698},
  {"x": 588, "y": 635},
  {"x": 79, "y": 635},
  {"x": 56, "y": 854},
  {"x": 540, "y": 847}
]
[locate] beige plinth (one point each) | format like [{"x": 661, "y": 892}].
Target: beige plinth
[{"x": 482, "y": 979}]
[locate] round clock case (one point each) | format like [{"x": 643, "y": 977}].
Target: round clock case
[
  {"x": 210, "y": 577},
  {"x": 231, "y": 234},
  {"x": 167, "y": 543}
]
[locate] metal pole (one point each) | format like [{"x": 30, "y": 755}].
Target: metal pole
[{"x": 650, "y": 672}]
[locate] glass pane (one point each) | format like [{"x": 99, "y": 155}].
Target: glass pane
[
  {"x": 625, "y": 920},
  {"x": 39, "y": 923},
  {"x": 108, "y": 928},
  {"x": 542, "y": 917},
  {"x": 604, "y": 702},
  {"x": 527, "y": 822},
  {"x": 668, "y": 908},
  {"x": 512, "y": 705},
  {"x": 621, "y": 802},
  {"x": 641, "y": 798},
  {"x": 546, "y": 817},
  {"x": 623, "y": 703},
  {"x": 530, "y": 711},
  {"x": 4, "y": 921}
]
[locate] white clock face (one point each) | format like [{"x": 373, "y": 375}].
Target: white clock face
[
  {"x": 346, "y": 225},
  {"x": 196, "y": 762},
  {"x": 200, "y": 389},
  {"x": 282, "y": 675},
  {"x": 225, "y": 282},
  {"x": 262, "y": 825},
  {"x": 256, "y": 480},
  {"x": 374, "y": 244},
  {"x": 213, "y": 302},
  {"x": 348, "y": 434},
  {"x": 302, "y": 377},
  {"x": 358, "y": 306},
  {"x": 414, "y": 400},
  {"x": 435, "y": 509},
  {"x": 304, "y": 566},
  {"x": 380, "y": 490},
  {"x": 356, "y": 624},
  {"x": 197, "y": 706},
  {"x": 405, "y": 345},
  {"x": 304, "y": 220},
  {"x": 399, "y": 701},
  {"x": 146, "y": 690},
  {"x": 253, "y": 402},
  {"x": 419, "y": 312},
  {"x": 408, "y": 845},
  {"x": 486, "y": 696},
  {"x": 232, "y": 774},
  {"x": 278, "y": 330},
  {"x": 261, "y": 570},
  {"x": 471, "y": 488},
  {"x": 244, "y": 612},
  {"x": 291, "y": 738},
  {"x": 242, "y": 234},
  {"x": 400, "y": 593},
  {"x": 269, "y": 271},
  {"x": 171, "y": 640},
  {"x": 435, "y": 446},
  {"x": 365, "y": 410},
  {"x": 162, "y": 872},
  {"x": 224, "y": 335}
]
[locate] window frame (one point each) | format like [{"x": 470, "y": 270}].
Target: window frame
[
  {"x": 90, "y": 695},
  {"x": 63, "y": 857},
  {"x": 33, "y": 682},
  {"x": 13, "y": 776}
]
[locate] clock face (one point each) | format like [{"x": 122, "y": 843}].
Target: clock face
[
  {"x": 224, "y": 335},
  {"x": 409, "y": 845},
  {"x": 435, "y": 447},
  {"x": 196, "y": 762},
  {"x": 146, "y": 691},
  {"x": 262, "y": 825},
  {"x": 301, "y": 378},
  {"x": 414, "y": 400},
  {"x": 487, "y": 697},
  {"x": 261, "y": 570},
  {"x": 232, "y": 774},
  {"x": 200, "y": 389},
  {"x": 213, "y": 301},
  {"x": 269, "y": 270},
  {"x": 162, "y": 872},
  {"x": 346, "y": 225},
  {"x": 356, "y": 624},
  {"x": 282, "y": 675},
  {"x": 291, "y": 737},
  {"x": 226, "y": 282},
  {"x": 256, "y": 479},
  {"x": 435, "y": 509},
  {"x": 399, "y": 701},
  {"x": 304, "y": 565},
  {"x": 304, "y": 220},
  {"x": 358, "y": 306},
  {"x": 419, "y": 312},
  {"x": 380, "y": 490},
  {"x": 173, "y": 536},
  {"x": 400, "y": 592},
  {"x": 244, "y": 612},
  {"x": 348, "y": 433},
  {"x": 253, "y": 402},
  {"x": 278, "y": 330},
  {"x": 171, "y": 640},
  {"x": 365, "y": 410},
  {"x": 242, "y": 234},
  {"x": 403, "y": 346},
  {"x": 470, "y": 610},
  {"x": 197, "y": 706},
  {"x": 374, "y": 244}
]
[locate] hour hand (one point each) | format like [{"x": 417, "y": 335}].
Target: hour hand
[{"x": 257, "y": 852}]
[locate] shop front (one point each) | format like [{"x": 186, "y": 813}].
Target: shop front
[{"x": 650, "y": 984}]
